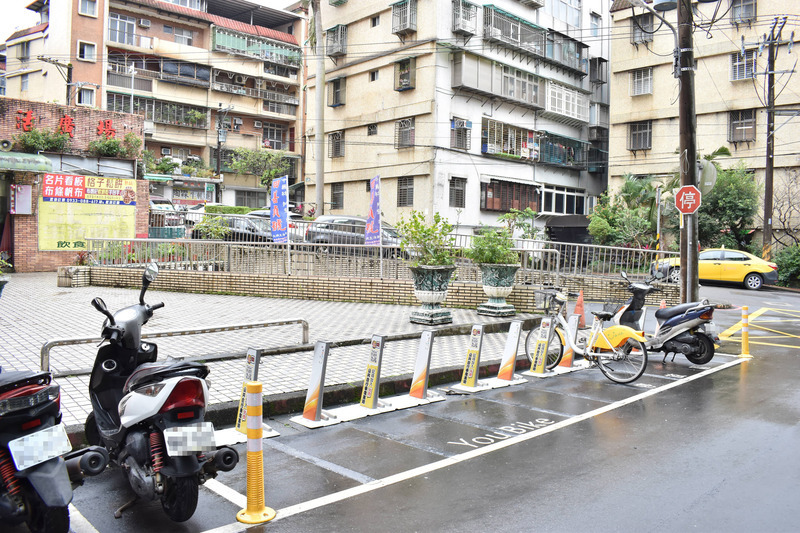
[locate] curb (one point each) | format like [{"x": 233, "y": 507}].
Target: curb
[{"x": 222, "y": 414}]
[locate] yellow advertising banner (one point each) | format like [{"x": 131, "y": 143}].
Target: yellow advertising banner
[{"x": 75, "y": 208}]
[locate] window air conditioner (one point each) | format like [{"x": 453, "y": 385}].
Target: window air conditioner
[
  {"x": 258, "y": 124},
  {"x": 240, "y": 78},
  {"x": 144, "y": 23},
  {"x": 166, "y": 151}
]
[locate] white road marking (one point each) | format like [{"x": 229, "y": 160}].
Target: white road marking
[
  {"x": 226, "y": 492},
  {"x": 77, "y": 522}
]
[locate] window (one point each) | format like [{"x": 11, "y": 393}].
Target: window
[
  {"x": 500, "y": 195},
  {"x": 405, "y": 192},
  {"x": 336, "y": 144},
  {"x": 372, "y": 129},
  {"x": 405, "y": 74},
  {"x": 121, "y": 28},
  {"x": 743, "y": 66},
  {"x": 275, "y": 136},
  {"x": 404, "y": 133},
  {"x": 743, "y": 11},
  {"x": 168, "y": 29},
  {"x": 23, "y": 83},
  {"x": 336, "y": 92},
  {"x": 642, "y": 81},
  {"x": 183, "y": 36},
  {"x": 460, "y": 134},
  {"x": 252, "y": 199},
  {"x": 200, "y": 5},
  {"x": 642, "y": 28},
  {"x": 640, "y": 135},
  {"x": 86, "y": 96},
  {"x": 24, "y": 50},
  {"x": 404, "y": 17},
  {"x": 87, "y": 7},
  {"x": 568, "y": 11},
  {"x": 742, "y": 126},
  {"x": 337, "y": 195},
  {"x": 375, "y": 21},
  {"x": 2, "y": 85},
  {"x": 458, "y": 188},
  {"x": 87, "y": 51},
  {"x": 373, "y": 75},
  {"x": 596, "y": 22},
  {"x": 336, "y": 41}
]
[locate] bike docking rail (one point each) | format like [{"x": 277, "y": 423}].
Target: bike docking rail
[
  {"x": 49, "y": 345},
  {"x": 314, "y": 416},
  {"x": 506, "y": 377}
]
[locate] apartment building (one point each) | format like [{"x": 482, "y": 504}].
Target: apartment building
[
  {"x": 209, "y": 76},
  {"x": 730, "y": 89},
  {"x": 464, "y": 109}
]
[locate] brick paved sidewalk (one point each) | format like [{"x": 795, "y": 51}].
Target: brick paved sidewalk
[{"x": 33, "y": 310}]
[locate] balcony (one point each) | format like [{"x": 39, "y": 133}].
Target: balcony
[
  {"x": 465, "y": 18},
  {"x": 254, "y": 92},
  {"x": 236, "y": 43},
  {"x": 404, "y": 17},
  {"x": 130, "y": 40},
  {"x": 336, "y": 41},
  {"x": 513, "y": 32},
  {"x": 504, "y": 82},
  {"x": 535, "y": 4},
  {"x": 562, "y": 151},
  {"x": 565, "y": 52}
]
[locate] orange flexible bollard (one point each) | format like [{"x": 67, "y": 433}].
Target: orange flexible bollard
[
  {"x": 745, "y": 332},
  {"x": 256, "y": 512}
]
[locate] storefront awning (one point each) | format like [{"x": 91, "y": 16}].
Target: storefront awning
[
  {"x": 157, "y": 177},
  {"x": 24, "y": 162}
]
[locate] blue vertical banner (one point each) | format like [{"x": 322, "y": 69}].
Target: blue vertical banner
[
  {"x": 372, "y": 231},
  {"x": 279, "y": 210}
]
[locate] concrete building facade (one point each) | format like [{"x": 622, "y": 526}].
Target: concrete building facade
[
  {"x": 463, "y": 109},
  {"x": 196, "y": 70}
]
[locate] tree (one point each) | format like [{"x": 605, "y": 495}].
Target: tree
[
  {"x": 786, "y": 209},
  {"x": 265, "y": 164},
  {"x": 727, "y": 213}
]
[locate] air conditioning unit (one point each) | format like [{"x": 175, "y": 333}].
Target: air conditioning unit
[
  {"x": 258, "y": 124},
  {"x": 240, "y": 78},
  {"x": 166, "y": 151},
  {"x": 144, "y": 23},
  {"x": 237, "y": 121}
]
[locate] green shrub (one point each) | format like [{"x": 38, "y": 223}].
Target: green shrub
[
  {"x": 228, "y": 209},
  {"x": 788, "y": 261},
  {"x": 492, "y": 245},
  {"x": 427, "y": 243},
  {"x": 211, "y": 227},
  {"x": 35, "y": 141},
  {"x": 105, "y": 148}
]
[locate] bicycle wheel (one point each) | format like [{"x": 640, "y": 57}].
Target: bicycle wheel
[
  {"x": 555, "y": 350},
  {"x": 624, "y": 364}
]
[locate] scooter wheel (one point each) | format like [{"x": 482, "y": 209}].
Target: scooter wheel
[
  {"x": 705, "y": 352},
  {"x": 44, "y": 519},
  {"x": 180, "y": 498}
]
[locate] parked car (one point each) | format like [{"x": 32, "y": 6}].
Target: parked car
[
  {"x": 296, "y": 224},
  {"x": 720, "y": 264},
  {"x": 195, "y": 213},
  {"x": 342, "y": 229},
  {"x": 163, "y": 212},
  {"x": 243, "y": 228}
]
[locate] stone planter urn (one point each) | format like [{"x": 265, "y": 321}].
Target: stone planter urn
[
  {"x": 430, "y": 288},
  {"x": 3, "y": 281},
  {"x": 498, "y": 282}
]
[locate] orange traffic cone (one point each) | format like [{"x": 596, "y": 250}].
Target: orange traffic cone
[
  {"x": 663, "y": 304},
  {"x": 579, "y": 310}
]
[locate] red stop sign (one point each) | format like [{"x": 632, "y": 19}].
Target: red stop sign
[{"x": 688, "y": 199}]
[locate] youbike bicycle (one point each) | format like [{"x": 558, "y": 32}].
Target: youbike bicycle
[{"x": 619, "y": 351}]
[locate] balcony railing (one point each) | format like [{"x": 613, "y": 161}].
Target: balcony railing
[{"x": 130, "y": 39}]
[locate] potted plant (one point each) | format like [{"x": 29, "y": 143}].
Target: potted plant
[
  {"x": 492, "y": 250},
  {"x": 429, "y": 249}
]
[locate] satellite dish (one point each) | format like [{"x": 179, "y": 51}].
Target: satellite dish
[{"x": 706, "y": 176}]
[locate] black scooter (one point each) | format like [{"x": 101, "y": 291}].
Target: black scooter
[
  {"x": 38, "y": 470},
  {"x": 150, "y": 415}
]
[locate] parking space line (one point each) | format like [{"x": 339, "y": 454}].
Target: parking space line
[
  {"x": 226, "y": 492},
  {"x": 78, "y": 523},
  {"x": 736, "y": 327}
]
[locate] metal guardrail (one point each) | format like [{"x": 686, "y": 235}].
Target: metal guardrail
[{"x": 49, "y": 345}]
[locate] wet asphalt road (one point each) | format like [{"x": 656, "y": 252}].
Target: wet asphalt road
[{"x": 710, "y": 448}]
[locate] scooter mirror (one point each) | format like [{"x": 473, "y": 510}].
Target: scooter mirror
[
  {"x": 624, "y": 275},
  {"x": 100, "y": 305},
  {"x": 659, "y": 275}
]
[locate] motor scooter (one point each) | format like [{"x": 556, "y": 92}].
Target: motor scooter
[
  {"x": 38, "y": 469},
  {"x": 685, "y": 328},
  {"x": 150, "y": 415}
]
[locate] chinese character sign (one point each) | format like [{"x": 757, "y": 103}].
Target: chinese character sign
[
  {"x": 279, "y": 210},
  {"x": 372, "y": 231},
  {"x": 88, "y": 190}
]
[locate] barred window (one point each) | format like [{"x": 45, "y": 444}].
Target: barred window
[
  {"x": 404, "y": 133},
  {"x": 642, "y": 28},
  {"x": 458, "y": 191},
  {"x": 405, "y": 74},
  {"x": 743, "y": 66},
  {"x": 742, "y": 125},
  {"x": 460, "y": 134},
  {"x": 337, "y": 195},
  {"x": 640, "y": 135},
  {"x": 336, "y": 144},
  {"x": 743, "y": 11},
  {"x": 372, "y": 129},
  {"x": 642, "y": 81},
  {"x": 405, "y": 192}
]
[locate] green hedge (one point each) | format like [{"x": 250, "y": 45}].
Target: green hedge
[{"x": 228, "y": 209}]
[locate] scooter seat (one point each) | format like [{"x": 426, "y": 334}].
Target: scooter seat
[
  {"x": 155, "y": 372},
  {"x": 669, "y": 312}
]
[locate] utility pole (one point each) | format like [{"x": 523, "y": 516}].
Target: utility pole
[
  {"x": 65, "y": 69},
  {"x": 319, "y": 126},
  {"x": 221, "y": 138},
  {"x": 687, "y": 126}
]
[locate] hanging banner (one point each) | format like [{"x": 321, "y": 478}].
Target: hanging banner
[
  {"x": 509, "y": 361},
  {"x": 75, "y": 208},
  {"x": 250, "y": 374},
  {"x": 372, "y": 378},
  {"x": 279, "y": 210},
  {"x": 372, "y": 231},
  {"x": 469, "y": 377}
]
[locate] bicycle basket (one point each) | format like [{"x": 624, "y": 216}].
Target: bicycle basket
[{"x": 612, "y": 307}]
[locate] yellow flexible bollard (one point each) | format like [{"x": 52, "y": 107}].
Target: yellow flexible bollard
[
  {"x": 256, "y": 512},
  {"x": 745, "y": 332}
]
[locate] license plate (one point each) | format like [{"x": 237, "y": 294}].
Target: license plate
[
  {"x": 39, "y": 447},
  {"x": 711, "y": 330},
  {"x": 188, "y": 440}
]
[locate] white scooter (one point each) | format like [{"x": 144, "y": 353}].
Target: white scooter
[{"x": 150, "y": 415}]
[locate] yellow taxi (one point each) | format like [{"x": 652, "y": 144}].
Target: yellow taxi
[{"x": 720, "y": 264}]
